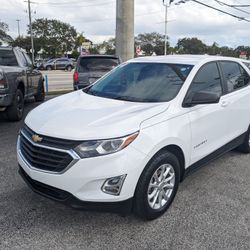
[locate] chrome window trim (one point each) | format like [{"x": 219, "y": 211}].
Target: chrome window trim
[{"x": 71, "y": 152}]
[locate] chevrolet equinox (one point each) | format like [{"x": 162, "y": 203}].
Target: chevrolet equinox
[{"x": 128, "y": 140}]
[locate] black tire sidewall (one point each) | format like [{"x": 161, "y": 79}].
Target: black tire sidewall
[
  {"x": 13, "y": 112},
  {"x": 142, "y": 206},
  {"x": 69, "y": 68}
]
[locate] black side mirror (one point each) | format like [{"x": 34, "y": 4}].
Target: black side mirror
[{"x": 201, "y": 97}]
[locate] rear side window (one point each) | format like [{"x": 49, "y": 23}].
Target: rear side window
[
  {"x": 207, "y": 79},
  {"x": 7, "y": 58},
  {"x": 88, "y": 64},
  {"x": 236, "y": 77}
]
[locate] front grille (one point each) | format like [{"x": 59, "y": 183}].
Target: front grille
[
  {"x": 51, "y": 141},
  {"x": 44, "y": 158}
]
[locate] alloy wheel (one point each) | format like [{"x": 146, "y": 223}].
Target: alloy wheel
[{"x": 161, "y": 186}]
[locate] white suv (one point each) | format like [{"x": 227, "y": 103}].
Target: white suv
[{"x": 127, "y": 141}]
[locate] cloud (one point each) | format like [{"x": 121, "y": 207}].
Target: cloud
[{"x": 96, "y": 18}]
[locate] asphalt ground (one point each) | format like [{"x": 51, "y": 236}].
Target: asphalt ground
[{"x": 211, "y": 211}]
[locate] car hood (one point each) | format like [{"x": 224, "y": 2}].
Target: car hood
[{"x": 80, "y": 116}]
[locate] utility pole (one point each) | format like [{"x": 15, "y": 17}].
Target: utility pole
[
  {"x": 31, "y": 34},
  {"x": 167, "y": 4},
  {"x": 18, "y": 27},
  {"x": 166, "y": 31},
  {"x": 125, "y": 29}
]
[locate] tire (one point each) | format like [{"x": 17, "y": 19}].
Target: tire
[
  {"x": 245, "y": 147},
  {"x": 49, "y": 68},
  {"x": 40, "y": 95},
  {"x": 69, "y": 68},
  {"x": 15, "y": 110},
  {"x": 168, "y": 164}
]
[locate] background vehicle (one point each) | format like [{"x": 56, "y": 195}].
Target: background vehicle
[
  {"x": 129, "y": 139},
  {"x": 90, "y": 68},
  {"x": 59, "y": 63},
  {"x": 19, "y": 80}
]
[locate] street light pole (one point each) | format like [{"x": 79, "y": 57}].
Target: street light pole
[
  {"x": 31, "y": 34},
  {"x": 166, "y": 26},
  {"x": 18, "y": 27},
  {"x": 167, "y": 4}
]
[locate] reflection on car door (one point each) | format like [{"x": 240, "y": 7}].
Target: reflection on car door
[{"x": 208, "y": 122}]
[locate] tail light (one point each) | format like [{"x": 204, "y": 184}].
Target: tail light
[
  {"x": 76, "y": 76},
  {"x": 3, "y": 82}
]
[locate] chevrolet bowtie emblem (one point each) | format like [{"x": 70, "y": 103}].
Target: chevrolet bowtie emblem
[{"x": 36, "y": 138}]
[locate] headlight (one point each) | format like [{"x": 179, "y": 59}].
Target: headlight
[{"x": 103, "y": 147}]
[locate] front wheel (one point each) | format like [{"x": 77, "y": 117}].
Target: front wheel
[
  {"x": 69, "y": 68},
  {"x": 157, "y": 186}
]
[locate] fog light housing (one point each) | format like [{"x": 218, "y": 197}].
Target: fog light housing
[{"x": 113, "y": 185}]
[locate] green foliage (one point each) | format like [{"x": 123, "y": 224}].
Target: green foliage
[
  {"x": 56, "y": 37},
  {"x": 106, "y": 46},
  {"x": 4, "y": 28},
  {"x": 151, "y": 43},
  {"x": 191, "y": 46}
]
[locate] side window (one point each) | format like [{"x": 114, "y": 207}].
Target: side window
[
  {"x": 207, "y": 79},
  {"x": 27, "y": 59},
  {"x": 21, "y": 58},
  {"x": 236, "y": 77}
]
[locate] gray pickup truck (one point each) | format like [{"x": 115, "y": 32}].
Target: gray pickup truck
[{"x": 19, "y": 80}]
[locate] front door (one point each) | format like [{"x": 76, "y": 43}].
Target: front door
[{"x": 208, "y": 122}]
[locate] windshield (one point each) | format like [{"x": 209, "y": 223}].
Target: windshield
[
  {"x": 91, "y": 64},
  {"x": 142, "y": 82},
  {"x": 7, "y": 58}
]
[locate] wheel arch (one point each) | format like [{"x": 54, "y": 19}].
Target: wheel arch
[{"x": 178, "y": 152}]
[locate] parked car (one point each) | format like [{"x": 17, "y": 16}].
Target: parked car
[
  {"x": 59, "y": 63},
  {"x": 91, "y": 68},
  {"x": 19, "y": 80},
  {"x": 127, "y": 141}
]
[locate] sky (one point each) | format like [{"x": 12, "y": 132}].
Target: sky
[{"x": 96, "y": 19}]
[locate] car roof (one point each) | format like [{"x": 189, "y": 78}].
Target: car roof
[{"x": 181, "y": 59}]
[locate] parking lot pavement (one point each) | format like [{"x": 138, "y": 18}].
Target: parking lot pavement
[
  {"x": 211, "y": 211},
  {"x": 59, "y": 79}
]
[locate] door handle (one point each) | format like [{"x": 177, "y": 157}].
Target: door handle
[{"x": 224, "y": 104}]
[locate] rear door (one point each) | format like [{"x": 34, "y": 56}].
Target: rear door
[{"x": 236, "y": 102}]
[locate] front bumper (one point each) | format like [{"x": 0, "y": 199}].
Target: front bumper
[
  {"x": 70, "y": 200},
  {"x": 5, "y": 100},
  {"x": 84, "y": 180}
]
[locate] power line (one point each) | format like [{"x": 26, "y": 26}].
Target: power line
[
  {"x": 66, "y": 4},
  {"x": 222, "y": 11},
  {"x": 231, "y": 6}
]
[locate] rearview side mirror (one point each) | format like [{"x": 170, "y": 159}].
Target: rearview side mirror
[{"x": 201, "y": 97}]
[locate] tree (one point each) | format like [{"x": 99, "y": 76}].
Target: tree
[
  {"x": 107, "y": 46},
  {"x": 4, "y": 37},
  {"x": 151, "y": 43},
  {"x": 191, "y": 46},
  {"x": 25, "y": 43},
  {"x": 55, "y": 36}
]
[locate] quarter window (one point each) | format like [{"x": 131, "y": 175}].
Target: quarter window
[
  {"x": 236, "y": 77},
  {"x": 207, "y": 80}
]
